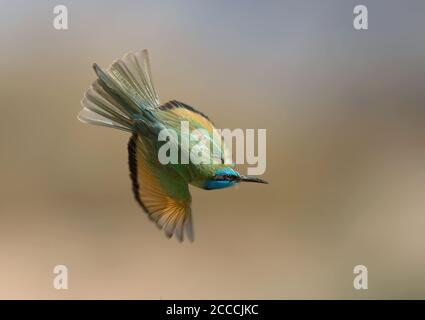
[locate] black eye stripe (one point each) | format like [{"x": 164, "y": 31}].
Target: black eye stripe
[{"x": 225, "y": 177}]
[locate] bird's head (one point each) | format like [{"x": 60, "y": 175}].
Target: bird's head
[{"x": 227, "y": 177}]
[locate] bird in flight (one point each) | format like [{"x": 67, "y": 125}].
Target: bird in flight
[{"x": 123, "y": 97}]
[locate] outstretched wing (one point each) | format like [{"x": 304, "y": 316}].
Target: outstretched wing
[{"x": 162, "y": 193}]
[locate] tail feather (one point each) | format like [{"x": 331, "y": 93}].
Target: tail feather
[
  {"x": 122, "y": 93},
  {"x": 134, "y": 71}
]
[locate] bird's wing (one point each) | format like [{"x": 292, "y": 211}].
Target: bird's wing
[
  {"x": 184, "y": 111},
  {"x": 163, "y": 194},
  {"x": 174, "y": 112}
]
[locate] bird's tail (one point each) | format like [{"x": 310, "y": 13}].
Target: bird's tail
[{"x": 121, "y": 94}]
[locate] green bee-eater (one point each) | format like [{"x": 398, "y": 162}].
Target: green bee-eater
[{"x": 124, "y": 97}]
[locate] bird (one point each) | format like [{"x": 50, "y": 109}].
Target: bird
[{"x": 123, "y": 97}]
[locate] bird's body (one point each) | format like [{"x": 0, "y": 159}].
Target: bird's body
[{"x": 123, "y": 97}]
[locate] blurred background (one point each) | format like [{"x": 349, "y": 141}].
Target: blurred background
[{"x": 345, "y": 117}]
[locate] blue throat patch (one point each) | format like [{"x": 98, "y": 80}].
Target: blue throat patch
[
  {"x": 217, "y": 184},
  {"x": 220, "y": 184}
]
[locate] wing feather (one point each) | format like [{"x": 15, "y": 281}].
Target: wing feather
[{"x": 164, "y": 196}]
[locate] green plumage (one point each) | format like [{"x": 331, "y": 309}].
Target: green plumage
[{"x": 123, "y": 97}]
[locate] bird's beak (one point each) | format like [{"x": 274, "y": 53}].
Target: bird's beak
[{"x": 252, "y": 179}]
